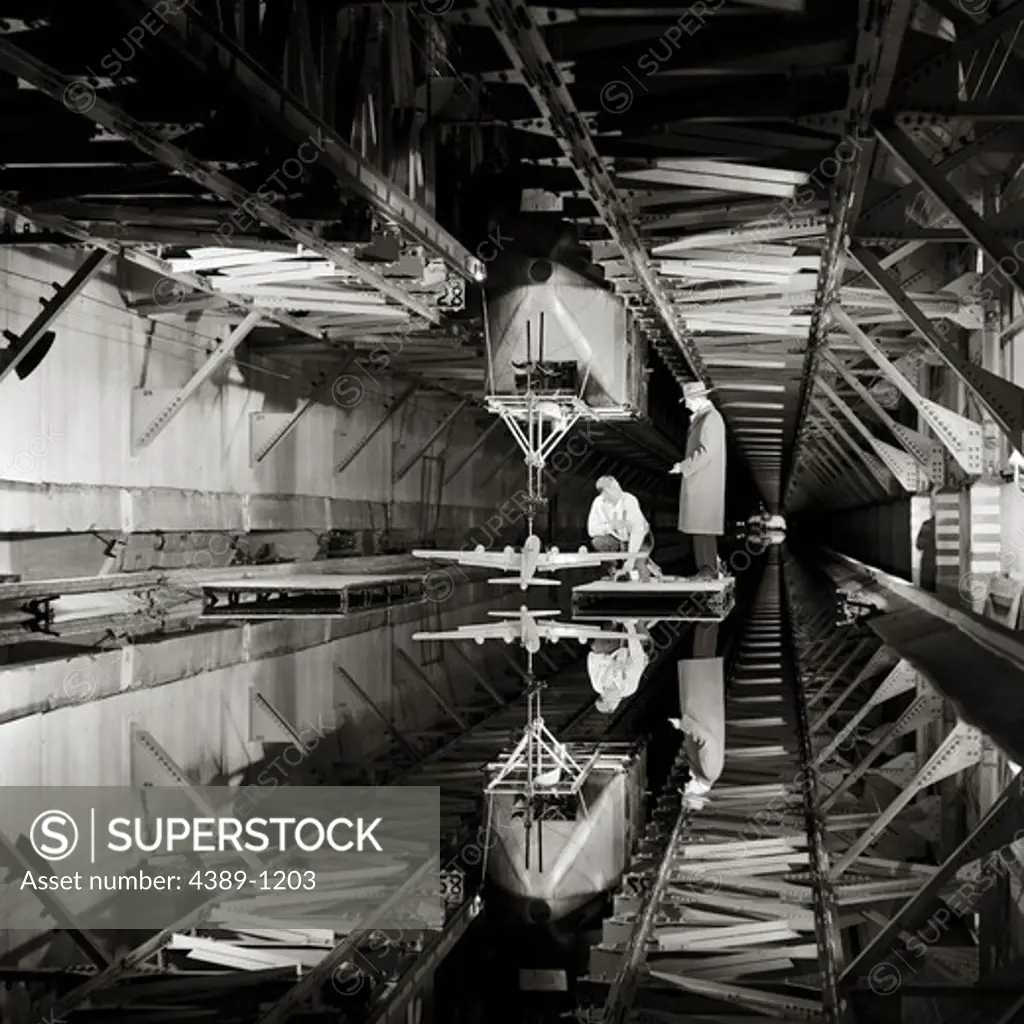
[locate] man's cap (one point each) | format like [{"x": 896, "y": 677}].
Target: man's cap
[{"x": 695, "y": 389}]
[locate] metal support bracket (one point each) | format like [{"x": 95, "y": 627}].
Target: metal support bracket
[
  {"x": 882, "y": 659},
  {"x": 925, "y": 708},
  {"x": 876, "y": 470},
  {"x": 445, "y": 423},
  {"x": 902, "y": 678},
  {"x": 267, "y": 724},
  {"x": 960, "y": 436},
  {"x": 926, "y": 453},
  {"x": 22, "y": 346},
  {"x": 167, "y": 403},
  {"x": 995, "y": 831},
  {"x": 901, "y": 465},
  {"x": 397, "y": 404},
  {"x": 268, "y": 429},
  {"x": 1002, "y": 399},
  {"x": 961, "y": 749}
]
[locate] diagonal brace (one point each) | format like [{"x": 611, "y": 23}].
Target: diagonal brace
[
  {"x": 203, "y": 374},
  {"x": 437, "y": 432}
]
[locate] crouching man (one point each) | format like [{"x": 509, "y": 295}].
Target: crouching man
[
  {"x": 615, "y": 668},
  {"x": 617, "y": 523}
]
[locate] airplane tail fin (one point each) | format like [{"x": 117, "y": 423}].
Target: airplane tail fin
[{"x": 515, "y": 581}]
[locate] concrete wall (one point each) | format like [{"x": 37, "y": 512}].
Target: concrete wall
[{"x": 67, "y": 463}]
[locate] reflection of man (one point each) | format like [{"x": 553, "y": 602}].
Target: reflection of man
[
  {"x": 702, "y": 484},
  {"x": 617, "y": 523},
  {"x": 615, "y": 668},
  {"x": 702, "y": 722}
]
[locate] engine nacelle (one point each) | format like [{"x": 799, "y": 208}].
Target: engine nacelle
[
  {"x": 509, "y": 550},
  {"x": 479, "y": 549},
  {"x": 554, "y": 551}
]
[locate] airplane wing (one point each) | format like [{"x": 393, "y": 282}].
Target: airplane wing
[
  {"x": 488, "y": 631},
  {"x": 479, "y": 559},
  {"x": 579, "y": 560},
  {"x": 565, "y": 631}
]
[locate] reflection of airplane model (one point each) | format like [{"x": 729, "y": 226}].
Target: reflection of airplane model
[
  {"x": 526, "y": 562},
  {"x": 524, "y": 627}
]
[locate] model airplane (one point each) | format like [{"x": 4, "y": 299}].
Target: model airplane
[
  {"x": 527, "y": 627},
  {"x": 526, "y": 563}
]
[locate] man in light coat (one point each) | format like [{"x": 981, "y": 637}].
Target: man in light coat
[
  {"x": 702, "y": 722},
  {"x": 702, "y": 483}
]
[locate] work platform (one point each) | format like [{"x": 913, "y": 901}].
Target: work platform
[
  {"x": 672, "y": 599},
  {"x": 307, "y": 597}
]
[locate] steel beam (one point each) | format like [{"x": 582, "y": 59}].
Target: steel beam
[
  {"x": 925, "y": 452},
  {"x": 903, "y": 148},
  {"x": 1002, "y": 399},
  {"x": 25, "y": 343},
  {"x": 959, "y": 436},
  {"x": 877, "y": 475},
  {"x": 960, "y": 750},
  {"x": 468, "y": 455},
  {"x": 55, "y": 85},
  {"x": 902, "y": 467},
  {"x": 524, "y": 45},
  {"x": 1000, "y": 827},
  {"x": 213, "y": 363},
  {"x": 880, "y": 38},
  {"x": 215, "y": 55},
  {"x": 376, "y": 429},
  {"x": 445, "y": 423},
  {"x": 428, "y": 683},
  {"x": 305, "y": 989}
]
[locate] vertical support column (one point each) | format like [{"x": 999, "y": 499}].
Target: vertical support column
[
  {"x": 946, "y": 509},
  {"x": 920, "y": 513},
  {"x": 984, "y": 534}
]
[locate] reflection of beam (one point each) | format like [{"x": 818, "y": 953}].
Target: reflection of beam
[
  {"x": 314, "y": 979},
  {"x": 26, "y": 342},
  {"x": 20, "y": 859},
  {"x": 428, "y": 683},
  {"x": 371, "y": 704},
  {"x": 997, "y": 829},
  {"x": 56, "y": 86}
]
